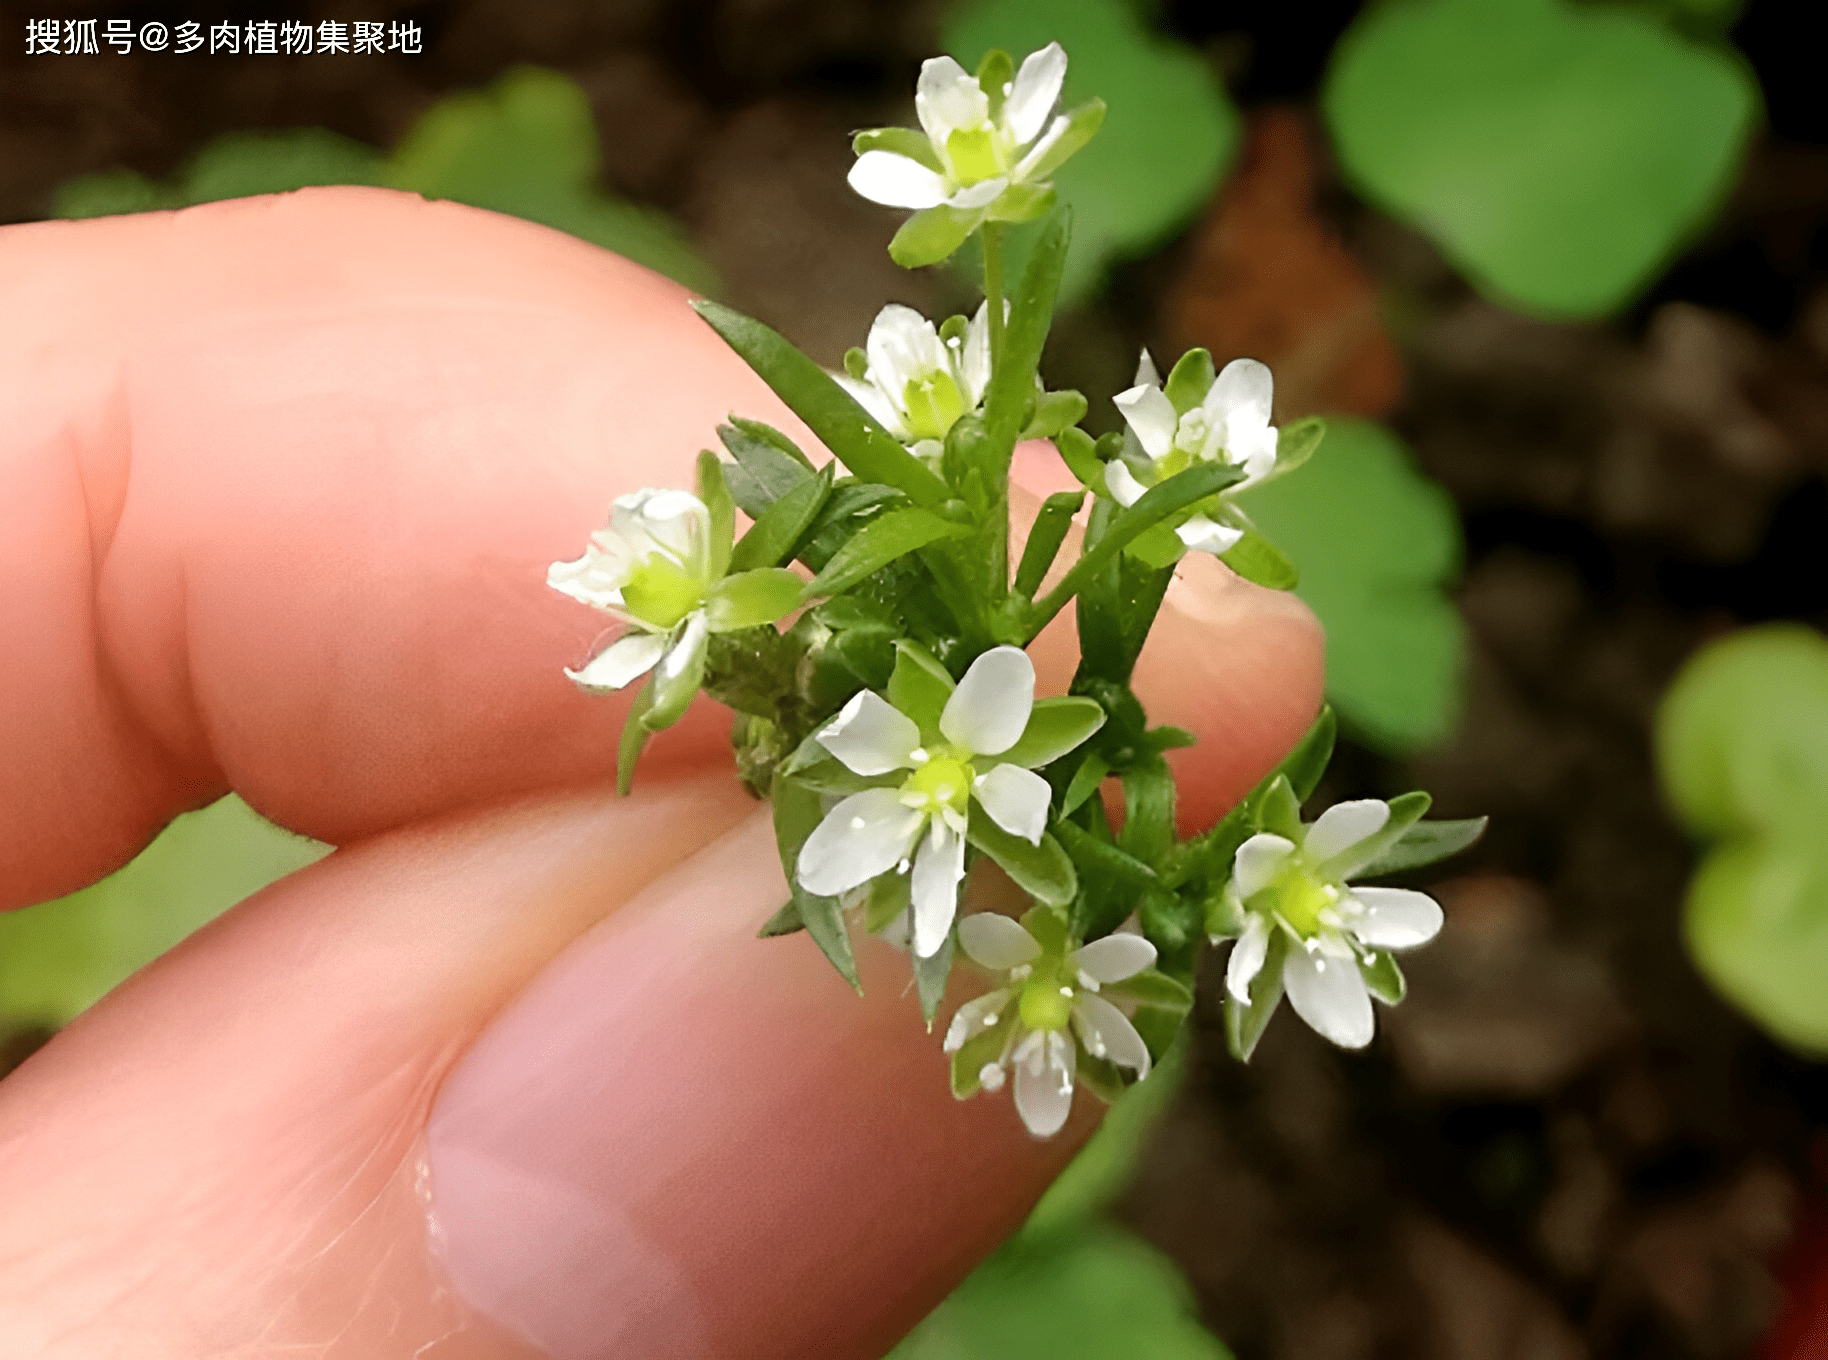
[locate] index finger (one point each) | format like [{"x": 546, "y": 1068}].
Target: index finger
[{"x": 279, "y": 482}]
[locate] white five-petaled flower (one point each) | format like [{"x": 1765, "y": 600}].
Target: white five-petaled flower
[
  {"x": 986, "y": 153},
  {"x": 658, "y": 567},
  {"x": 1334, "y": 930},
  {"x": 918, "y": 382},
  {"x": 1057, "y": 1011},
  {"x": 1230, "y": 424},
  {"x": 953, "y": 773}
]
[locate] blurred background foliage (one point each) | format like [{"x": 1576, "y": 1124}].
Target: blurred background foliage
[{"x": 1555, "y": 270}]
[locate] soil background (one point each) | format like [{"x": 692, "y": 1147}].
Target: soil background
[{"x": 1564, "y": 1144}]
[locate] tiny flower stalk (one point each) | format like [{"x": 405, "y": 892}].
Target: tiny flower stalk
[
  {"x": 1048, "y": 1022},
  {"x": 935, "y": 766},
  {"x": 987, "y": 148}
]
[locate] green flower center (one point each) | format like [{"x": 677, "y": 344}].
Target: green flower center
[
  {"x": 933, "y": 404},
  {"x": 973, "y": 153},
  {"x": 940, "y": 783},
  {"x": 1300, "y": 898},
  {"x": 660, "y": 592},
  {"x": 1046, "y": 1002}
]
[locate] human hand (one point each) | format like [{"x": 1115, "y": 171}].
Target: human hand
[{"x": 279, "y": 483}]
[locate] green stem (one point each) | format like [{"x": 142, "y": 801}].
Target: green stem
[{"x": 993, "y": 290}]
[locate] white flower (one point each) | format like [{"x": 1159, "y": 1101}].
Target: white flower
[
  {"x": 919, "y": 383},
  {"x": 658, "y": 568},
  {"x": 1332, "y": 931},
  {"x": 1057, "y": 1014},
  {"x": 1230, "y": 424},
  {"x": 986, "y": 149},
  {"x": 978, "y": 759}
]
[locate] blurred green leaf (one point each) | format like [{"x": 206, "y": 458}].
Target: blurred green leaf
[
  {"x": 1742, "y": 748},
  {"x": 1168, "y": 137},
  {"x": 526, "y": 146},
  {"x": 58, "y": 958},
  {"x": 1559, "y": 153},
  {"x": 1377, "y": 544},
  {"x": 1097, "y": 1293}
]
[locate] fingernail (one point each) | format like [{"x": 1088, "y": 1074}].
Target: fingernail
[{"x": 681, "y": 1141}]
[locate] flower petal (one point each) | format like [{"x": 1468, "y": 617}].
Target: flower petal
[
  {"x": 872, "y": 399},
  {"x": 1122, "y": 483},
  {"x": 1107, "y": 1033},
  {"x": 1035, "y": 91},
  {"x": 939, "y": 864},
  {"x": 980, "y": 1013},
  {"x": 1045, "y": 1065},
  {"x": 903, "y": 346},
  {"x": 1202, "y": 534},
  {"x": 1258, "y": 862},
  {"x": 979, "y": 195},
  {"x": 974, "y": 363},
  {"x": 996, "y": 941},
  {"x": 990, "y": 707},
  {"x": 870, "y": 735},
  {"x": 867, "y": 834},
  {"x": 1016, "y": 799},
  {"x": 1329, "y": 993},
  {"x": 1149, "y": 412},
  {"x": 947, "y": 97},
  {"x": 627, "y": 659},
  {"x": 1396, "y": 918},
  {"x": 1343, "y": 826},
  {"x": 1243, "y": 391},
  {"x": 680, "y": 526},
  {"x": 1114, "y": 958},
  {"x": 1247, "y": 957},
  {"x": 895, "y": 181}
]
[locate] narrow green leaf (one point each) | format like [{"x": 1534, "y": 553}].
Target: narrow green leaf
[
  {"x": 824, "y": 921},
  {"x": 930, "y": 977},
  {"x": 890, "y": 536},
  {"x": 1052, "y": 522},
  {"x": 1082, "y": 125},
  {"x": 1405, "y": 811},
  {"x": 1261, "y": 562},
  {"x": 1149, "y": 801},
  {"x": 1152, "y": 987},
  {"x": 1173, "y": 924},
  {"x": 763, "y": 472},
  {"x": 1055, "y": 726},
  {"x": 900, "y": 142},
  {"x": 1383, "y": 979},
  {"x": 1156, "y": 504},
  {"x": 1308, "y": 761},
  {"x": 797, "y": 810},
  {"x": 932, "y": 235},
  {"x": 1043, "y": 871},
  {"x": 1424, "y": 843},
  {"x": 777, "y": 531},
  {"x": 920, "y": 687},
  {"x": 716, "y": 496},
  {"x": 888, "y": 897},
  {"x": 1295, "y": 443},
  {"x": 850, "y": 502},
  {"x": 1244, "y": 1025},
  {"x": 786, "y": 921},
  {"x": 1086, "y": 779},
  {"x": 748, "y": 599},
  {"x": 1189, "y": 380},
  {"x": 846, "y": 429},
  {"x": 763, "y": 432},
  {"x": 1278, "y": 811},
  {"x": 1030, "y": 318},
  {"x": 1079, "y": 452},
  {"x": 1159, "y": 546}
]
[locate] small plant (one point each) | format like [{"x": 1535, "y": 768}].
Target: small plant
[{"x": 884, "y": 700}]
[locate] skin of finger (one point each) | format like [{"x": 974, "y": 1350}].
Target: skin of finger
[
  {"x": 223, "y": 1150},
  {"x": 279, "y": 482}
]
